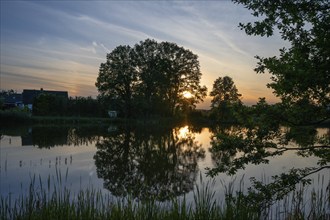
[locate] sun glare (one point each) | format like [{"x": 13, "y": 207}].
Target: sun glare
[
  {"x": 183, "y": 132},
  {"x": 187, "y": 94}
]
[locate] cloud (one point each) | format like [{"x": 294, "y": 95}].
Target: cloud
[
  {"x": 14, "y": 77},
  {"x": 67, "y": 48},
  {"x": 106, "y": 26},
  {"x": 107, "y": 50}
]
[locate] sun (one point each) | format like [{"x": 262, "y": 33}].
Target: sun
[{"x": 187, "y": 94}]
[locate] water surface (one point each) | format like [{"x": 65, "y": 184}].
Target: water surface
[{"x": 142, "y": 161}]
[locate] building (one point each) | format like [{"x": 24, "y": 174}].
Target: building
[{"x": 12, "y": 100}]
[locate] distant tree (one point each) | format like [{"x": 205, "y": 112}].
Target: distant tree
[
  {"x": 225, "y": 98},
  {"x": 301, "y": 72},
  {"x": 224, "y": 89},
  {"x": 118, "y": 78}
]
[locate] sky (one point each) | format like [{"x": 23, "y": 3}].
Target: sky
[{"x": 59, "y": 45}]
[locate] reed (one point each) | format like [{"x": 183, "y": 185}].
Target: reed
[{"x": 52, "y": 199}]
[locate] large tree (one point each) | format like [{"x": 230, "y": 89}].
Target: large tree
[
  {"x": 301, "y": 72},
  {"x": 151, "y": 77}
]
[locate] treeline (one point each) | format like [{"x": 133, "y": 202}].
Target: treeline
[{"x": 52, "y": 105}]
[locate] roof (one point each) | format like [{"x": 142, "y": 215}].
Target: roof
[{"x": 30, "y": 94}]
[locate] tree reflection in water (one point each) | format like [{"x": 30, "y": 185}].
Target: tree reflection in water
[
  {"x": 46, "y": 136},
  {"x": 233, "y": 148},
  {"x": 158, "y": 163},
  {"x": 51, "y": 136}
]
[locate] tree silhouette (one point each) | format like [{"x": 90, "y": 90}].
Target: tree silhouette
[
  {"x": 150, "y": 78},
  {"x": 300, "y": 72},
  {"x": 225, "y": 98},
  {"x": 118, "y": 78}
]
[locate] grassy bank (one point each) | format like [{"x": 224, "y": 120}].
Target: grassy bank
[
  {"x": 57, "y": 202},
  {"x": 25, "y": 118}
]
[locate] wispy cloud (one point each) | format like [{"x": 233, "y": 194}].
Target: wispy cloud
[{"x": 106, "y": 26}]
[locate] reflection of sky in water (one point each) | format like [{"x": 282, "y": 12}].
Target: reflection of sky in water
[{"x": 20, "y": 163}]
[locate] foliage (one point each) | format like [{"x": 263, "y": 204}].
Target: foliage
[
  {"x": 224, "y": 89},
  {"x": 85, "y": 107},
  {"x": 226, "y": 99},
  {"x": 118, "y": 79},
  {"x": 52, "y": 105},
  {"x": 150, "y": 79},
  {"x": 261, "y": 136},
  {"x": 301, "y": 72},
  {"x": 49, "y": 104},
  {"x": 300, "y": 77}
]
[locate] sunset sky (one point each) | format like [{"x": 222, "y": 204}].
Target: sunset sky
[{"x": 60, "y": 45}]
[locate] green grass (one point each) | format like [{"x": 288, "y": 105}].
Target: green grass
[{"x": 56, "y": 201}]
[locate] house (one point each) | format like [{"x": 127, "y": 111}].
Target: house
[
  {"x": 29, "y": 95},
  {"x": 12, "y": 100}
]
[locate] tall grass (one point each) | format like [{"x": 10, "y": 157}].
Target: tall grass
[
  {"x": 305, "y": 202},
  {"x": 54, "y": 200}
]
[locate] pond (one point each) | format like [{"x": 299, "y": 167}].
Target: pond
[{"x": 142, "y": 161}]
